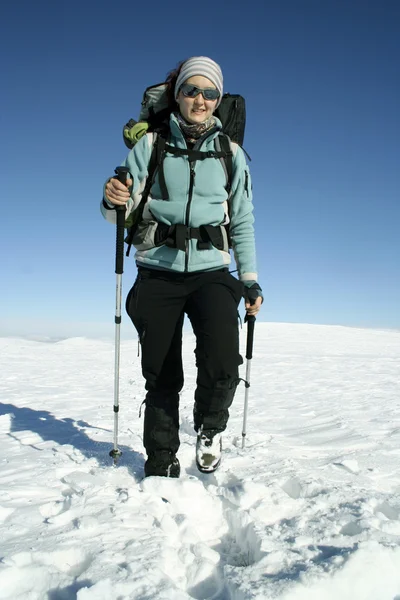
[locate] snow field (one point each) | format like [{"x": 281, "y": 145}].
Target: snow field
[{"x": 309, "y": 509}]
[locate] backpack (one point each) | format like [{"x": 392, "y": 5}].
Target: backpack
[
  {"x": 154, "y": 117},
  {"x": 155, "y": 112}
]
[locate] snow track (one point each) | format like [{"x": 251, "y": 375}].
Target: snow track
[{"x": 309, "y": 510}]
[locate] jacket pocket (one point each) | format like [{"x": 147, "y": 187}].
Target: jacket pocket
[{"x": 144, "y": 238}]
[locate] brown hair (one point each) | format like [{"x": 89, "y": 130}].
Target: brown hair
[{"x": 170, "y": 80}]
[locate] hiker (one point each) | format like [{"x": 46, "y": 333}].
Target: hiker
[{"x": 182, "y": 257}]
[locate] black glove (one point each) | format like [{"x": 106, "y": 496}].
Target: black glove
[{"x": 252, "y": 293}]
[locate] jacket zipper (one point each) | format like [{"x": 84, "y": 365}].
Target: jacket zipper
[{"x": 191, "y": 187}]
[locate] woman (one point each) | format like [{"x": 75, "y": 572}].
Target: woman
[{"x": 193, "y": 278}]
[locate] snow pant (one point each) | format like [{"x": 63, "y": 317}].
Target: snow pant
[{"x": 157, "y": 304}]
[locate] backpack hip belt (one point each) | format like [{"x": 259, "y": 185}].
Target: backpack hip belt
[{"x": 177, "y": 236}]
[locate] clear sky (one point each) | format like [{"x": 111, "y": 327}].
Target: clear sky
[{"x": 322, "y": 84}]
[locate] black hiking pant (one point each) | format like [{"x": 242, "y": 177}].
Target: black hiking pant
[{"x": 157, "y": 304}]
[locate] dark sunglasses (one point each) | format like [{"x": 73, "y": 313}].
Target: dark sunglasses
[{"x": 191, "y": 91}]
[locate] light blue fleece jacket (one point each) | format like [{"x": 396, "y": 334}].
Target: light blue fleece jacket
[{"x": 208, "y": 205}]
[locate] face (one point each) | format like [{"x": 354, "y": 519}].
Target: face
[{"x": 197, "y": 110}]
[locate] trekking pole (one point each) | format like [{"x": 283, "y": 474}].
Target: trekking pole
[
  {"x": 250, "y": 319},
  {"x": 122, "y": 175}
]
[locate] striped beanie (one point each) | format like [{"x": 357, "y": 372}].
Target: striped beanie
[{"x": 201, "y": 65}]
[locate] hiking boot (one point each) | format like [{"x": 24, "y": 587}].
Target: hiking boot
[
  {"x": 208, "y": 451},
  {"x": 163, "y": 463}
]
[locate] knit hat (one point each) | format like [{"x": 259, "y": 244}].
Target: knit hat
[{"x": 201, "y": 65}]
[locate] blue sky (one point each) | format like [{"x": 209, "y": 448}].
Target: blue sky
[{"x": 322, "y": 85}]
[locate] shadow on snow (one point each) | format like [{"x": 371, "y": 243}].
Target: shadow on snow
[
  {"x": 68, "y": 431},
  {"x": 68, "y": 593}
]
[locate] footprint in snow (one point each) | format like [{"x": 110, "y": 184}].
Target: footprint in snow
[{"x": 207, "y": 530}]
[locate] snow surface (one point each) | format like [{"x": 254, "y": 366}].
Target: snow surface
[{"x": 309, "y": 510}]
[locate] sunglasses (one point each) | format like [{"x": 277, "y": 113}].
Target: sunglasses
[{"x": 191, "y": 91}]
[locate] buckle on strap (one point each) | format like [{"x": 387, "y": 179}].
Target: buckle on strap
[{"x": 183, "y": 234}]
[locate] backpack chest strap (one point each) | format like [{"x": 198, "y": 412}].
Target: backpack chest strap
[{"x": 194, "y": 155}]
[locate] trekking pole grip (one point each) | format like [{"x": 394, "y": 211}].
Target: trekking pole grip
[
  {"x": 122, "y": 175},
  {"x": 252, "y": 295},
  {"x": 250, "y": 336}
]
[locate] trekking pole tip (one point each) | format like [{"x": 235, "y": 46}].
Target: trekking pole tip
[{"x": 115, "y": 454}]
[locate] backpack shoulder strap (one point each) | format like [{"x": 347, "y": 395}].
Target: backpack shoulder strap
[
  {"x": 223, "y": 144},
  {"x": 155, "y": 163},
  {"x": 158, "y": 149},
  {"x": 159, "y": 164},
  {"x": 153, "y": 158}
]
